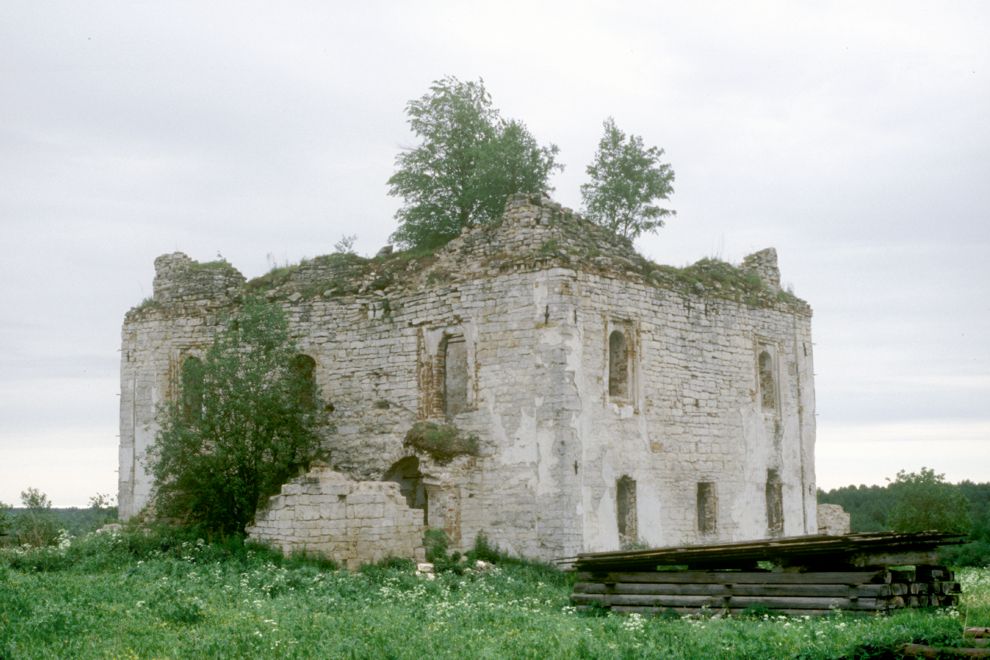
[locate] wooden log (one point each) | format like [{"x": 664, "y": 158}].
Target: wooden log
[
  {"x": 939, "y": 588},
  {"x": 732, "y": 602},
  {"x": 923, "y": 651},
  {"x": 649, "y": 600},
  {"x": 655, "y": 588},
  {"x": 802, "y": 602},
  {"x": 738, "y": 577},
  {"x": 812, "y": 590},
  {"x": 868, "y": 549},
  {"x": 676, "y": 588},
  {"x": 905, "y": 558},
  {"x": 656, "y": 611}
]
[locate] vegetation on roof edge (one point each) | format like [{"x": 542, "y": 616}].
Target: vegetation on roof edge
[
  {"x": 709, "y": 277},
  {"x": 217, "y": 264}
]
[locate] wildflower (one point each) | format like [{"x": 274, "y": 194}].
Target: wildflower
[
  {"x": 64, "y": 539},
  {"x": 633, "y": 623}
]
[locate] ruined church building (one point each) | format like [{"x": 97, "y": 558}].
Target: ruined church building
[{"x": 612, "y": 402}]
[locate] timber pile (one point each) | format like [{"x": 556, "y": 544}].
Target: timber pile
[
  {"x": 812, "y": 575},
  {"x": 977, "y": 638}
]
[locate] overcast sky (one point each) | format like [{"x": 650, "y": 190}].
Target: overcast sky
[{"x": 854, "y": 137}]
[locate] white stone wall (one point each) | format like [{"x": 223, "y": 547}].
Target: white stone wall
[
  {"x": 695, "y": 414},
  {"x": 351, "y": 522},
  {"x": 832, "y": 520},
  {"x": 535, "y": 301},
  {"x": 154, "y": 344}
]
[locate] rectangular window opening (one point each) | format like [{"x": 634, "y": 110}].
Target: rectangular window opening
[
  {"x": 775, "y": 503},
  {"x": 625, "y": 504},
  {"x": 707, "y": 508},
  {"x": 455, "y": 376}
]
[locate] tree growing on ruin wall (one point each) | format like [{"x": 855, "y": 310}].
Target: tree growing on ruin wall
[
  {"x": 245, "y": 423},
  {"x": 627, "y": 181},
  {"x": 468, "y": 162}
]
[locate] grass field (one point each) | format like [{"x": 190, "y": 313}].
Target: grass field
[{"x": 160, "y": 595}]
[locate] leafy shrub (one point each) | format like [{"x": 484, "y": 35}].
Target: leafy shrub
[
  {"x": 5, "y": 520},
  {"x": 924, "y": 501},
  {"x": 442, "y": 442},
  {"x": 974, "y": 553},
  {"x": 485, "y": 550},
  {"x": 36, "y": 524},
  {"x": 251, "y": 426},
  {"x": 438, "y": 552}
]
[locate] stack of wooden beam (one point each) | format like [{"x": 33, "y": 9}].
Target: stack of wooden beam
[
  {"x": 817, "y": 592},
  {"x": 809, "y": 575}
]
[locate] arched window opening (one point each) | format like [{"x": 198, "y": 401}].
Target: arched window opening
[
  {"x": 625, "y": 504},
  {"x": 455, "y": 375},
  {"x": 191, "y": 389},
  {"x": 775, "y": 503},
  {"x": 707, "y": 508},
  {"x": 618, "y": 365},
  {"x": 405, "y": 472},
  {"x": 768, "y": 384},
  {"x": 303, "y": 370}
]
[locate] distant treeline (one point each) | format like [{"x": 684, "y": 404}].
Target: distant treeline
[
  {"x": 870, "y": 509},
  {"x": 22, "y": 524}
]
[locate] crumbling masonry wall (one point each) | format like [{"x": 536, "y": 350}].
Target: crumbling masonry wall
[
  {"x": 531, "y": 306},
  {"x": 354, "y": 522},
  {"x": 833, "y": 520}
]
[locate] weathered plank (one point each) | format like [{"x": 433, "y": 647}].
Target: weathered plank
[
  {"x": 823, "y": 576},
  {"x": 651, "y": 600},
  {"x": 906, "y": 558},
  {"x": 687, "y": 589},
  {"x": 739, "y": 577},
  {"x": 654, "y": 611},
  {"x": 802, "y": 550},
  {"x": 923, "y": 651},
  {"x": 734, "y": 602},
  {"x": 801, "y": 602},
  {"x": 654, "y": 588}
]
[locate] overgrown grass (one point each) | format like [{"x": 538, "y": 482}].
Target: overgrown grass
[
  {"x": 147, "y": 304},
  {"x": 208, "y": 266},
  {"x": 721, "y": 279},
  {"x": 162, "y": 594}
]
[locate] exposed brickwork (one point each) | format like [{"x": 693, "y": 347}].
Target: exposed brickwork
[
  {"x": 327, "y": 513},
  {"x": 535, "y": 299}
]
